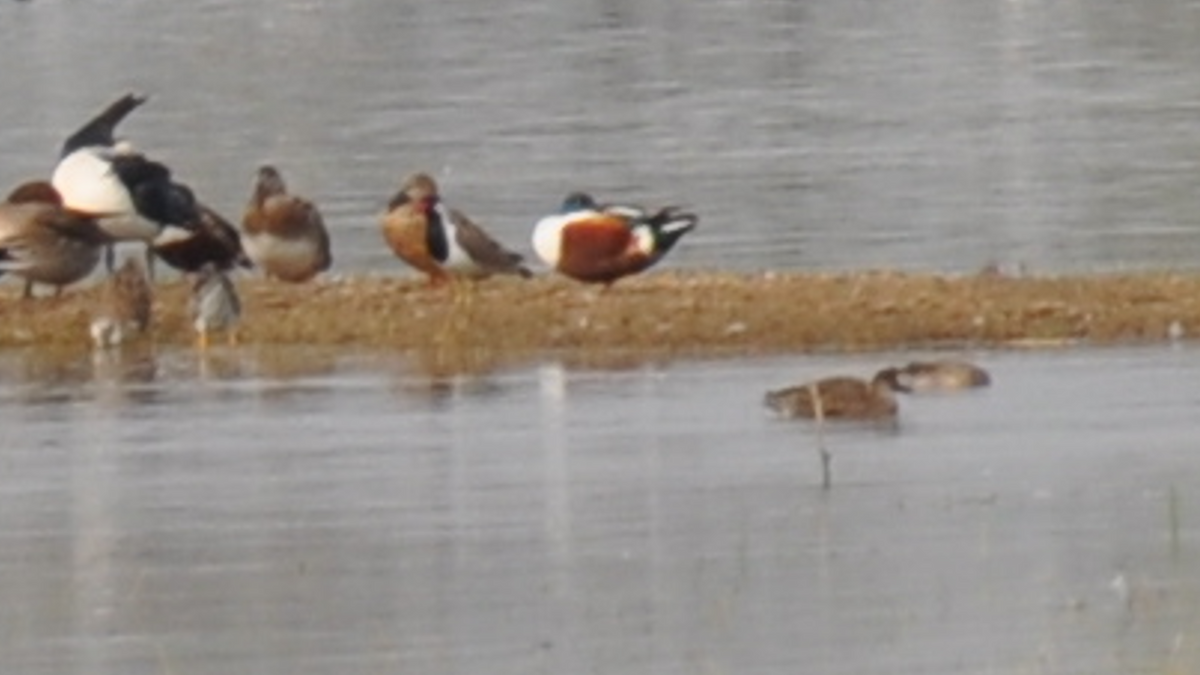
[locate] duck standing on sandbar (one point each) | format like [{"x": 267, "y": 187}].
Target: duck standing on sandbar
[
  {"x": 43, "y": 242},
  {"x": 284, "y": 234},
  {"x": 440, "y": 241},
  {"x": 601, "y": 244}
]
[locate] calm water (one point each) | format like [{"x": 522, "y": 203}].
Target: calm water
[
  {"x": 916, "y": 133},
  {"x": 311, "y": 512},
  {"x": 320, "y": 514}
]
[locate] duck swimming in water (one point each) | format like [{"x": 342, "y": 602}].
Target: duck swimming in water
[
  {"x": 840, "y": 398},
  {"x": 942, "y": 375}
]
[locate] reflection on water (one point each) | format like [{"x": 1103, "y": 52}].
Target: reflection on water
[{"x": 367, "y": 516}]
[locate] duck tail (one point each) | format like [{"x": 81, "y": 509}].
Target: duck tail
[
  {"x": 669, "y": 225},
  {"x": 100, "y": 129}
]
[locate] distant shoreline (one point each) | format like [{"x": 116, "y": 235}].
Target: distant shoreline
[{"x": 666, "y": 312}]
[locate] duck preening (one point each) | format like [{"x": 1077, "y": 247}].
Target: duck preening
[
  {"x": 284, "y": 234},
  {"x": 135, "y": 198},
  {"x": 440, "y": 241},
  {"x": 840, "y": 398},
  {"x": 601, "y": 244}
]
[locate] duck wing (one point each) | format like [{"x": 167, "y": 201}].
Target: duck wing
[
  {"x": 100, "y": 129},
  {"x": 483, "y": 249}
]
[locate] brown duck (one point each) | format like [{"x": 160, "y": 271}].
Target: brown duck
[
  {"x": 942, "y": 375},
  {"x": 440, "y": 241},
  {"x": 284, "y": 234},
  {"x": 43, "y": 242},
  {"x": 845, "y": 398}
]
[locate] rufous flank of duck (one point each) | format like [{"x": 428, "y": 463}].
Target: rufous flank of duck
[
  {"x": 215, "y": 305},
  {"x": 284, "y": 233},
  {"x": 598, "y": 244},
  {"x": 440, "y": 241},
  {"x": 125, "y": 308},
  {"x": 943, "y": 375},
  {"x": 840, "y": 398},
  {"x": 43, "y": 242}
]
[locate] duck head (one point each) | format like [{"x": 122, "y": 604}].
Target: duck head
[
  {"x": 893, "y": 379},
  {"x": 578, "y": 201},
  {"x": 420, "y": 190},
  {"x": 268, "y": 183}
]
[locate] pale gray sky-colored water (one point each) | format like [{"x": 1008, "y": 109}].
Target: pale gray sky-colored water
[
  {"x": 316, "y": 513},
  {"x": 913, "y": 134}
]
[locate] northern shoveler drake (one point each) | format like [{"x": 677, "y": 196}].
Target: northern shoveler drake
[
  {"x": 215, "y": 305},
  {"x": 126, "y": 306},
  {"x": 43, "y": 242},
  {"x": 943, "y": 375},
  {"x": 284, "y": 234},
  {"x": 210, "y": 239},
  {"x": 440, "y": 241},
  {"x": 840, "y": 398},
  {"x": 600, "y": 244}
]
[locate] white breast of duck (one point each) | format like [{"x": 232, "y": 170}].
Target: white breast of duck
[
  {"x": 547, "y": 235},
  {"x": 266, "y": 248},
  {"x": 87, "y": 183},
  {"x": 457, "y": 258}
]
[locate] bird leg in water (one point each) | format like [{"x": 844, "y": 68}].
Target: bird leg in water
[{"x": 819, "y": 417}]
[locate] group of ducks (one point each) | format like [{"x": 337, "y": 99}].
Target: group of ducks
[
  {"x": 103, "y": 191},
  {"x": 850, "y": 398}
]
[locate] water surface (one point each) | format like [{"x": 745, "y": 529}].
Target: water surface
[
  {"x": 930, "y": 135},
  {"x": 240, "y": 515}
]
